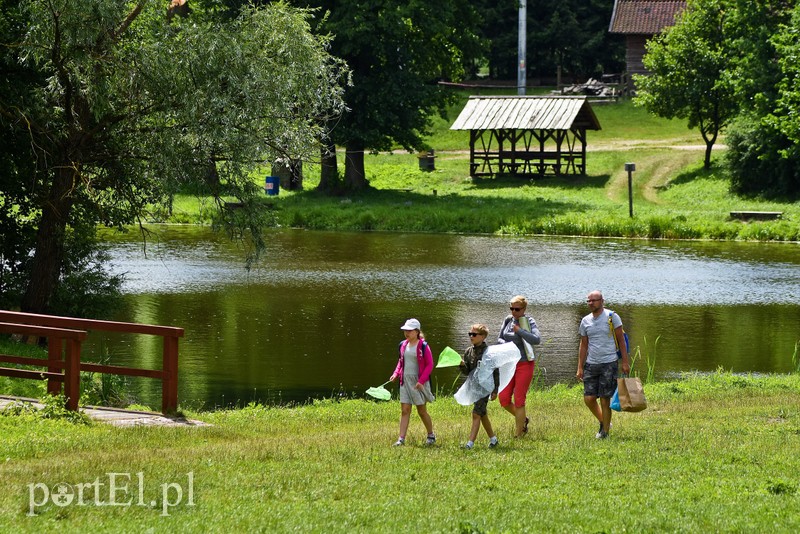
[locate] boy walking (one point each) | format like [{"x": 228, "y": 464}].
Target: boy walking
[{"x": 469, "y": 362}]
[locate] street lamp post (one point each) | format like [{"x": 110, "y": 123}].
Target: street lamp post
[{"x": 522, "y": 46}]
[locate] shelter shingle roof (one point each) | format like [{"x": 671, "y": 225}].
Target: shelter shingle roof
[
  {"x": 526, "y": 113},
  {"x": 644, "y": 17}
]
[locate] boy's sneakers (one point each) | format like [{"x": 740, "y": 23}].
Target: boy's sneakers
[
  {"x": 493, "y": 442},
  {"x": 468, "y": 445},
  {"x": 431, "y": 440},
  {"x": 400, "y": 442}
]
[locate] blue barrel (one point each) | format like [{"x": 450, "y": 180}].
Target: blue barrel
[{"x": 272, "y": 185}]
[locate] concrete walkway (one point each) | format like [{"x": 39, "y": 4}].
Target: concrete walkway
[{"x": 115, "y": 416}]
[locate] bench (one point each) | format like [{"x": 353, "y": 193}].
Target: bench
[{"x": 757, "y": 215}]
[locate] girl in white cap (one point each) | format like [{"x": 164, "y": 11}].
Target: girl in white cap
[{"x": 414, "y": 370}]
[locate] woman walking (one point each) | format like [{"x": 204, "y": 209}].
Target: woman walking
[{"x": 519, "y": 328}]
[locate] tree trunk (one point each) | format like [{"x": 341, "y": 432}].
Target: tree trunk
[
  {"x": 354, "y": 178},
  {"x": 707, "y": 161},
  {"x": 710, "y": 140},
  {"x": 49, "y": 255},
  {"x": 329, "y": 169}
]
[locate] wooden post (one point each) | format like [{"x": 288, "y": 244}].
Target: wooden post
[
  {"x": 72, "y": 374},
  {"x": 169, "y": 384},
  {"x": 630, "y": 167},
  {"x": 54, "y": 349}
]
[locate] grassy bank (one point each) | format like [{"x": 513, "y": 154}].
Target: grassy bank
[
  {"x": 673, "y": 196},
  {"x": 711, "y": 453}
]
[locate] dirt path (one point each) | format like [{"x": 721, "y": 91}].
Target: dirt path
[
  {"x": 114, "y": 417},
  {"x": 652, "y": 174}
]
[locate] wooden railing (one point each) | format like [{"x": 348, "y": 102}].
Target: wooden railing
[{"x": 64, "y": 337}]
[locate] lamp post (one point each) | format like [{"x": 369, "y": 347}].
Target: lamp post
[
  {"x": 522, "y": 46},
  {"x": 630, "y": 167}
]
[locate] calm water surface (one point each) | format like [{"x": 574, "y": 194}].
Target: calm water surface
[{"x": 320, "y": 315}]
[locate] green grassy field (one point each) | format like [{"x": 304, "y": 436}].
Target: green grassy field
[
  {"x": 673, "y": 196},
  {"x": 713, "y": 453}
]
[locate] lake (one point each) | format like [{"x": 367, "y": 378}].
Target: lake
[{"x": 320, "y": 314}]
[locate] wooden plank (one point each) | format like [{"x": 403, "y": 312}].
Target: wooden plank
[
  {"x": 55, "y": 321},
  {"x": 464, "y": 117},
  {"x": 27, "y": 373},
  {"x": 42, "y": 331},
  {"x": 516, "y": 111},
  {"x": 119, "y": 370},
  {"x": 758, "y": 215},
  {"x": 40, "y": 362},
  {"x": 546, "y": 155}
]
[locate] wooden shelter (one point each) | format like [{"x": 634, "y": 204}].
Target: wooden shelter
[
  {"x": 527, "y": 135},
  {"x": 639, "y": 21}
]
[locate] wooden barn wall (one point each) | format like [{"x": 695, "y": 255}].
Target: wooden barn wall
[{"x": 634, "y": 52}]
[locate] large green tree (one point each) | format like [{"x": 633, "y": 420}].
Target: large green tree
[
  {"x": 692, "y": 71},
  {"x": 763, "y": 156},
  {"x": 398, "y": 51},
  {"x": 784, "y": 116},
  {"x": 118, "y": 109}
]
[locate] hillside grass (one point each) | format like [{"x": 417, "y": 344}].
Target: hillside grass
[
  {"x": 712, "y": 453},
  {"x": 673, "y": 196}
]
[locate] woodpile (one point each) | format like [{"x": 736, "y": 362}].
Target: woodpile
[{"x": 592, "y": 87}]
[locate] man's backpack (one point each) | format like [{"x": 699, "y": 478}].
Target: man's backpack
[{"x": 624, "y": 334}]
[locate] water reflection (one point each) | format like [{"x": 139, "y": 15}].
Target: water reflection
[{"x": 322, "y": 311}]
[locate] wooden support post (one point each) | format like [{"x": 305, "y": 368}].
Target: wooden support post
[
  {"x": 169, "y": 384},
  {"x": 630, "y": 167},
  {"x": 54, "y": 350},
  {"x": 72, "y": 374}
]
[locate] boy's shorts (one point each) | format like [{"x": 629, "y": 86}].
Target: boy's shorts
[
  {"x": 480, "y": 406},
  {"x": 600, "y": 379}
]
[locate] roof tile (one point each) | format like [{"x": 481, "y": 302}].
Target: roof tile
[{"x": 644, "y": 17}]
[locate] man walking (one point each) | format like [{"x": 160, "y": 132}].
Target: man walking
[{"x": 601, "y": 334}]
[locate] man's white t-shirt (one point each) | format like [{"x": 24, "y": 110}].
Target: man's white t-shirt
[{"x": 602, "y": 348}]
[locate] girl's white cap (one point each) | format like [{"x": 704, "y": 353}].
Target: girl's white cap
[{"x": 411, "y": 324}]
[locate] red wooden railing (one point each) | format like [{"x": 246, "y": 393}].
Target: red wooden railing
[{"x": 64, "y": 337}]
